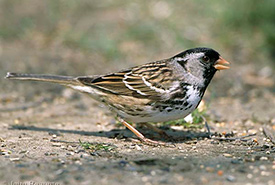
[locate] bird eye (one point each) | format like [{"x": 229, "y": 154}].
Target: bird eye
[{"x": 205, "y": 58}]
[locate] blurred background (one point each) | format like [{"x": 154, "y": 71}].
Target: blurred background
[{"x": 86, "y": 37}]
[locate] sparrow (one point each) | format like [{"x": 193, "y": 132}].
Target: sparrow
[{"x": 159, "y": 91}]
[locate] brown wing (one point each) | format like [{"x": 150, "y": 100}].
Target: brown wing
[{"x": 150, "y": 80}]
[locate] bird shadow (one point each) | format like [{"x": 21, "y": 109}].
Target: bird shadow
[{"x": 176, "y": 136}]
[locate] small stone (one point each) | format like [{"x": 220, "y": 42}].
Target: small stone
[
  {"x": 15, "y": 159},
  {"x": 153, "y": 173},
  {"x": 249, "y": 176},
  {"x": 70, "y": 148},
  {"x": 251, "y": 167},
  {"x": 262, "y": 167},
  {"x": 78, "y": 162},
  {"x": 227, "y": 155},
  {"x": 56, "y": 144},
  {"x": 252, "y": 159},
  {"x": 16, "y": 121},
  {"x": 59, "y": 172},
  {"x": 263, "y": 158},
  {"x": 220, "y": 173},
  {"x": 231, "y": 178},
  {"x": 138, "y": 147}
]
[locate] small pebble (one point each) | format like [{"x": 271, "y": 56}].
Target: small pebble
[
  {"x": 153, "y": 173},
  {"x": 231, "y": 178},
  {"x": 220, "y": 173},
  {"x": 262, "y": 167},
  {"x": 15, "y": 159},
  {"x": 265, "y": 173},
  {"x": 63, "y": 147},
  {"x": 249, "y": 176},
  {"x": 227, "y": 155},
  {"x": 56, "y": 144},
  {"x": 78, "y": 162},
  {"x": 138, "y": 147},
  {"x": 16, "y": 121},
  {"x": 59, "y": 172},
  {"x": 70, "y": 148},
  {"x": 263, "y": 158}
]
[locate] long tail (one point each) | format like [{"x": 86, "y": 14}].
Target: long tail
[{"x": 64, "y": 80}]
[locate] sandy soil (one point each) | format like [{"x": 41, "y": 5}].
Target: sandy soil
[{"x": 42, "y": 142}]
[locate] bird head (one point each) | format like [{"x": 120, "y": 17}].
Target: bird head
[{"x": 201, "y": 63}]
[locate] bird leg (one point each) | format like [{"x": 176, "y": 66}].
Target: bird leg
[
  {"x": 207, "y": 127},
  {"x": 140, "y": 135}
]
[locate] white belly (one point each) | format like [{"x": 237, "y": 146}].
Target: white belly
[{"x": 192, "y": 97}]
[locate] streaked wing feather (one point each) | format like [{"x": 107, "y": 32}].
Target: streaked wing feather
[{"x": 149, "y": 80}]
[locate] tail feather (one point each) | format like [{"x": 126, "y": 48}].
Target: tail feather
[{"x": 64, "y": 80}]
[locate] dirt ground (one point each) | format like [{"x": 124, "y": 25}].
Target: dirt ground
[{"x": 43, "y": 141}]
